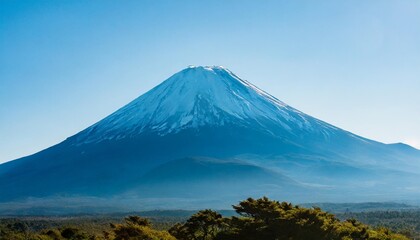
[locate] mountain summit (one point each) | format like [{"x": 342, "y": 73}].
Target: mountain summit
[
  {"x": 202, "y": 96},
  {"x": 205, "y": 136}
]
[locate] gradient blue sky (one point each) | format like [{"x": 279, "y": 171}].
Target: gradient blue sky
[{"x": 66, "y": 64}]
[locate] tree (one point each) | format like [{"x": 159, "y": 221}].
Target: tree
[
  {"x": 73, "y": 234},
  {"x": 204, "y": 225},
  {"x": 140, "y": 229},
  {"x": 136, "y": 220},
  {"x": 266, "y": 219}
]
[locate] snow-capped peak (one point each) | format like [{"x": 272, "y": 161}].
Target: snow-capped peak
[{"x": 198, "y": 96}]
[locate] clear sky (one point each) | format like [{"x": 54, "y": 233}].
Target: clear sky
[{"x": 64, "y": 65}]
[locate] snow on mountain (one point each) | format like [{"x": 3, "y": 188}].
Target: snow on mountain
[{"x": 198, "y": 96}]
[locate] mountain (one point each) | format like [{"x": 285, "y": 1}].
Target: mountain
[{"x": 206, "y": 135}]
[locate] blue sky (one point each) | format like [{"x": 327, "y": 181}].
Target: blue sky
[{"x": 66, "y": 64}]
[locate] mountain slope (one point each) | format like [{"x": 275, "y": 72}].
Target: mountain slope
[
  {"x": 210, "y": 112},
  {"x": 197, "y": 176}
]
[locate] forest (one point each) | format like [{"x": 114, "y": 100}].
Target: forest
[{"x": 252, "y": 219}]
